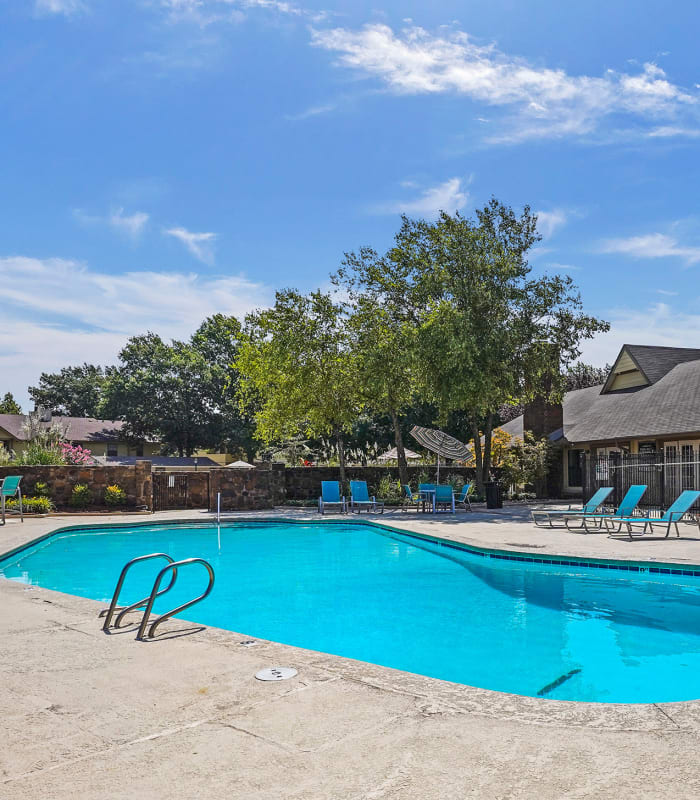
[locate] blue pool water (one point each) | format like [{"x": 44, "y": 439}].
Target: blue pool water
[{"x": 367, "y": 593}]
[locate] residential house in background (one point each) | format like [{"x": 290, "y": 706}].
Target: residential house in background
[
  {"x": 104, "y": 438},
  {"x": 649, "y": 404}
]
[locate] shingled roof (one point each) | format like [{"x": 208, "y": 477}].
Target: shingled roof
[
  {"x": 78, "y": 429},
  {"x": 668, "y": 406}
]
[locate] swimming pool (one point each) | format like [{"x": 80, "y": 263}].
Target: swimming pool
[{"x": 370, "y": 593}]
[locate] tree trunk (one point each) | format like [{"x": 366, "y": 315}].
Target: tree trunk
[
  {"x": 478, "y": 459},
  {"x": 486, "y": 460},
  {"x": 400, "y": 451},
  {"x": 341, "y": 458}
]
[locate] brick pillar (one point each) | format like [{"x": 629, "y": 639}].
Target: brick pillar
[{"x": 143, "y": 483}]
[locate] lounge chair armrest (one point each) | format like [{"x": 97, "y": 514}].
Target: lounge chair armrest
[{"x": 676, "y": 516}]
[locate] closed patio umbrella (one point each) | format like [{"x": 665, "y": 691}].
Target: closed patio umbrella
[{"x": 442, "y": 444}]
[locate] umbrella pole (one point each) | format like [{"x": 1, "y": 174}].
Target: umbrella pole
[{"x": 438, "y": 472}]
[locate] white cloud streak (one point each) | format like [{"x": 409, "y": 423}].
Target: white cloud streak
[
  {"x": 544, "y": 102},
  {"x": 62, "y": 312},
  {"x": 660, "y": 324},
  {"x": 199, "y": 244},
  {"x": 548, "y": 222},
  {"x": 130, "y": 225},
  {"x": 449, "y": 196},
  {"x": 652, "y": 245},
  {"x": 65, "y": 7}
]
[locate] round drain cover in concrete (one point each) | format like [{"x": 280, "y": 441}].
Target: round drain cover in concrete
[{"x": 276, "y": 674}]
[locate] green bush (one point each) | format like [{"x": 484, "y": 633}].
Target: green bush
[
  {"x": 30, "y": 505},
  {"x": 115, "y": 495},
  {"x": 41, "y": 489},
  {"x": 80, "y": 496},
  {"x": 455, "y": 481},
  {"x": 389, "y": 489}
]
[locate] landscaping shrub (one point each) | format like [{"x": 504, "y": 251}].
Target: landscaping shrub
[
  {"x": 41, "y": 489},
  {"x": 115, "y": 496},
  {"x": 75, "y": 454},
  {"x": 30, "y": 505},
  {"x": 455, "y": 481},
  {"x": 80, "y": 496},
  {"x": 389, "y": 489}
]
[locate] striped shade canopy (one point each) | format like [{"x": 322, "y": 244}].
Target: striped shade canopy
[{"x": 441, "y": 443}]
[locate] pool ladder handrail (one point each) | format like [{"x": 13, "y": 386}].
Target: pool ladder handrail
[
  {"x": 108, "y": 613},
  {"x": 175, "y": 565}
]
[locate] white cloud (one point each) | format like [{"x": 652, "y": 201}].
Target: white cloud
[
  {"x": 657, "y": 325},
  {"x": 313, "y": 111},
  {"x": 62, "y": 312},
  {"x": 130, "y": 225},
  {"x": 652, "y": 245},
  {"x": 549, "y": 221},
  {"x": 449, "y": 196},
  {"x": 66, "y": 7},
  {"x": 199, "y": 244},
  {"x": 545, "y": 102}
]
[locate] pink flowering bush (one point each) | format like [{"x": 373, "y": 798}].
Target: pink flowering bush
[{"x": 75, "y": 454}]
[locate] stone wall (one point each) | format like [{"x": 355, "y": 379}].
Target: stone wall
[
  {"x": 134, "y": 479},
  {"x": 304, "y": 483},
  {"x": 246, "y": 489}
]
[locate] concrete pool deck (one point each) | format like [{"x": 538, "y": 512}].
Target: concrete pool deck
[{"x": 89, "y": 715}]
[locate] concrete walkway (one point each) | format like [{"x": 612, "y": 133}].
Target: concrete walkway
[{"x": 89, "y": 715}]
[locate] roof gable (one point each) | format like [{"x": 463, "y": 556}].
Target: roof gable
[{"x": 625, "y": 374}]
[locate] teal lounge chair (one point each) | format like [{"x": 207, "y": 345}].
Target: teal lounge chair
[
  {"x": 10, "y": 488},
  {"x": 625, "y": 510},
  {"x": 591, "y": 507},
  {"x": 463, "y": 499},
  {"x": 409, "y": 499},
  {"x": 673, "y": 515},
  {"x": 330, "y": 496},
  {"x": 359, "y": 497},
  {"x": 445, "y": 497}
]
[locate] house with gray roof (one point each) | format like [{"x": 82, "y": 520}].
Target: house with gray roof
[
  {"x": 101, "y": 436},
  {"x": 649, "y": 403}
]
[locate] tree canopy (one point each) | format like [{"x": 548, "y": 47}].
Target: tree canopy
[
  {"x": 73, "y": 391},
  {"x": 298, "y": 371},
  {"x": 8, "y": 405}
]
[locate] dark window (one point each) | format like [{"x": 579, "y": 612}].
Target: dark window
[
  {"x": 139, "y": 451},
  {"x": 574, "y": 465},
  {"x": 112, "y": 450}
]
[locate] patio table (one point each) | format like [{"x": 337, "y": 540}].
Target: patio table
[{"x": 428, "y": 495}]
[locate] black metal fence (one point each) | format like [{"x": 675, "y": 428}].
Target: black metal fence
[{"x": 665, "y": 475}]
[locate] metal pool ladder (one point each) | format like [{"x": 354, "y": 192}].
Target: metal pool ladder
[{"x": 156, "y": 591}]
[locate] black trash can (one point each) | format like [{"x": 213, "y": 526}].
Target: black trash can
[{"x": 494, "y": 498}]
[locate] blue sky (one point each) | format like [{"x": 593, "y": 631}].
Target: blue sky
[{"x": 166, "y": 159}]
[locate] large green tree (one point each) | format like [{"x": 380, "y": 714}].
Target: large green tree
[
  {"x": 8, "y": 405},
  {"x": 487, "y": 332},
  {"x": 383, "y": 342},
  {"x": 298, "y": 371},
  {"x": 72, "y": 391},
  {"x": 181, "y": 393}
]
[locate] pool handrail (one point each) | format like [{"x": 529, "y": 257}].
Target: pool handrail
[
  {"x": 154, "y": 593},
  {"x": 108, "y": 613}
]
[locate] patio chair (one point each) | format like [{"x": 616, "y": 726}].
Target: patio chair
[
  {"x": 445, "y": 496},
  {"x": 625, "y": 510},
  {"x": 426, "y": 498},
  {"x": 359, "y": 496},
  {"x": 410, "y": 499},
  {"x": 591, "y": 507},
  {"x": 463, "y": 499},
  {"x": 330, "y": 496},
  {"x": 673, "y": 515},
  {"x": 10, "y": 488}
]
